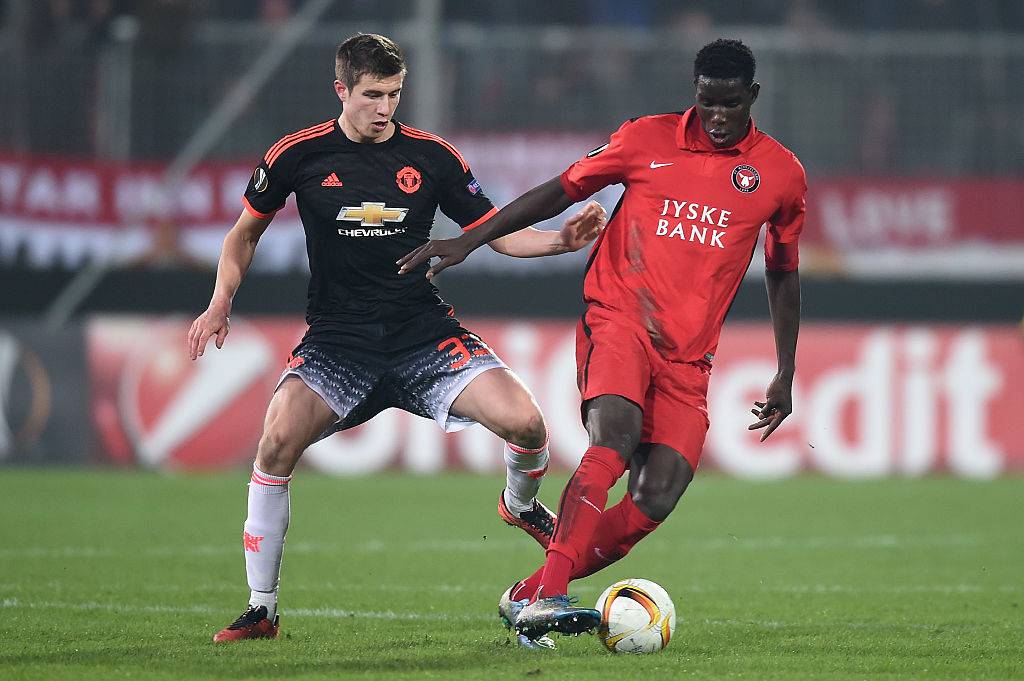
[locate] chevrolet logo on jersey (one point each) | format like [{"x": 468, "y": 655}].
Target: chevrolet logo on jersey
[{"x": 372, "y": 214}]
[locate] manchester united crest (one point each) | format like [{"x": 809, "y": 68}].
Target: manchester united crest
[
  {"x": 745, "y": 178},
  {"x": 409, "y": 179}
]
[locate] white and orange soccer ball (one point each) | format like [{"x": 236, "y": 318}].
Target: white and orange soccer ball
[{"x": 637, "y": 616}]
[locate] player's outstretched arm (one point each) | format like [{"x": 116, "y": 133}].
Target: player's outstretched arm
[
  {"x": 540, "y": 203},
  {"x": 578, "y": 231},
  {"x": 784, "y": 305},
  {"x": 235, "y": 258}
]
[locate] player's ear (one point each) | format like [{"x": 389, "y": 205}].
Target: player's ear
[
  {"x": 755, "y": 88},
  {"x": 341, "y": 91}
]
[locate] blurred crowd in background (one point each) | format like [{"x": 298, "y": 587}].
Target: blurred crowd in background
[
  {"x": 129, "y": 129},
  {"x": 52, "y": 17},
  {"x": 872, "y": 90},
  {"x": 918, "y": 86}
]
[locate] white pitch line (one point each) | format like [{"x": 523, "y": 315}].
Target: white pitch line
[
  {"x": 318, "y": 587},
  {"x": 328, "y": 587},
  {"x": 328, "y": 613},
  {"x": 468, "y": 545},
  {"x": 373, "y": 546},
  {"x": 338, "y": 613},
  {"x": 882, "y": 541},
  {"x": 771, "y": 624},
  {"x": 894, "y": 589}
]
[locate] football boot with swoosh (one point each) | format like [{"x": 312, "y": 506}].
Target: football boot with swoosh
[
  {"x": 555, "y": 613},
  {"x": 508, "y": 611}
]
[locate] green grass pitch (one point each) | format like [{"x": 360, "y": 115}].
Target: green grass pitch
[{"x": 114, "y": 575}]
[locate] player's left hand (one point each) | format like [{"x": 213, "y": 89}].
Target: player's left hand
[
  {"x": 777, "y": 406},
  {"x": 583, "y": 227}
]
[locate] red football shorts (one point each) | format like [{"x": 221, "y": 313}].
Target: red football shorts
[{"x": 615, "y": 356}]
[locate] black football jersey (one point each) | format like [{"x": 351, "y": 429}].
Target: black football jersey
[{"x": 363, "y": 206}]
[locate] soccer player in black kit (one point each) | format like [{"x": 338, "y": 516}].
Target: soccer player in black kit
[{"x": 367, "y": 188}]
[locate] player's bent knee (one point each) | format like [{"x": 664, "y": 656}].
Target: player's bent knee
[
  {"x": 615, "y": 423},
  {"x": 660, "y": 486},
  {"x": 278, "y": 452},
  {"x": 523, "y": 427},
  {"x": 532, "y": 432},
  {"x": 623, "y": 443},
  {"x": 656, "y": 499}
]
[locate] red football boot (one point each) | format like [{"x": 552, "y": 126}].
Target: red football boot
[
  {"x": 252, "y": 623},
  {"x": 538, "y": 522}
]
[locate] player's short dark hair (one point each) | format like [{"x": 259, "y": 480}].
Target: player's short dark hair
[
  {"x": 726, "y": 59},
  {"x": 367, "y": 54}
]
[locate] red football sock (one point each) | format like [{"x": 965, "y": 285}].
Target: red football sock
[
  {"x": 618, "y": 531},
  {"x": 621, "y": 527},
  {"x": 527, "y": 588},
  {"x": 578, "y": 515}
]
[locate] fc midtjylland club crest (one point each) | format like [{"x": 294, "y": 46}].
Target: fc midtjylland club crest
[{"x": 745, "y": 178}]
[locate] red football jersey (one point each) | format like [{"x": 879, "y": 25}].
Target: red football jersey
[{"x": 677, "y": 245}]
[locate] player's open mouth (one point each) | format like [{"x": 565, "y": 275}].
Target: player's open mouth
[
  {"x": 718, "y": 136},
  {"x": 379, "y": 125}
]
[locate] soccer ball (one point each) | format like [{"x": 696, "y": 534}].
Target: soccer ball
[{"x": 637, "y": 616}]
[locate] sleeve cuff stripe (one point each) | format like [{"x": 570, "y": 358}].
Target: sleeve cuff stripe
[
  {"x": 484, "y": 218},
  {"x": 256, "y": 213}
]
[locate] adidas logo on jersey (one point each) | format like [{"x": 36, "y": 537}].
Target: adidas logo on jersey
[{"x": 331, "y": 181}]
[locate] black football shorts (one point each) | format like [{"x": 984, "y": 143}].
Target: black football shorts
[{"x": 425, "y": 381}]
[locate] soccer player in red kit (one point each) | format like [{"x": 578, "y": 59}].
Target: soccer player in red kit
[{"x": 659, "y": 282}]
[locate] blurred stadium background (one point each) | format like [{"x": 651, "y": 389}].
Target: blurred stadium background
[{"x": 130, "y": 128}]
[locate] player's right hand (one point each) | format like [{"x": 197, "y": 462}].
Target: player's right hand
[{"x": 214, "y": 322}]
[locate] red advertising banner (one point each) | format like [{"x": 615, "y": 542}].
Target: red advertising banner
[
  {"x": 866, "y": 213},
  {"x": 62, "y": 211},
  {"x": 870, "y": 401}
]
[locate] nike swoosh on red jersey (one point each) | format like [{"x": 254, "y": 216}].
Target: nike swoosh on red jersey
[{"x": 659, "y": 165}]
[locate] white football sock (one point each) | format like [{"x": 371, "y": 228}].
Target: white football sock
[
  {"x": 263, "y": 536},
  {"x": 525, "y": 468}
]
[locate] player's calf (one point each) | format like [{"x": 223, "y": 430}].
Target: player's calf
[
  {"x": 524, "y": 470},
  {"x": 500, "y": 402},
  {"x": 269, "y": 513},
  {"x": 518, "y": 505}
]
